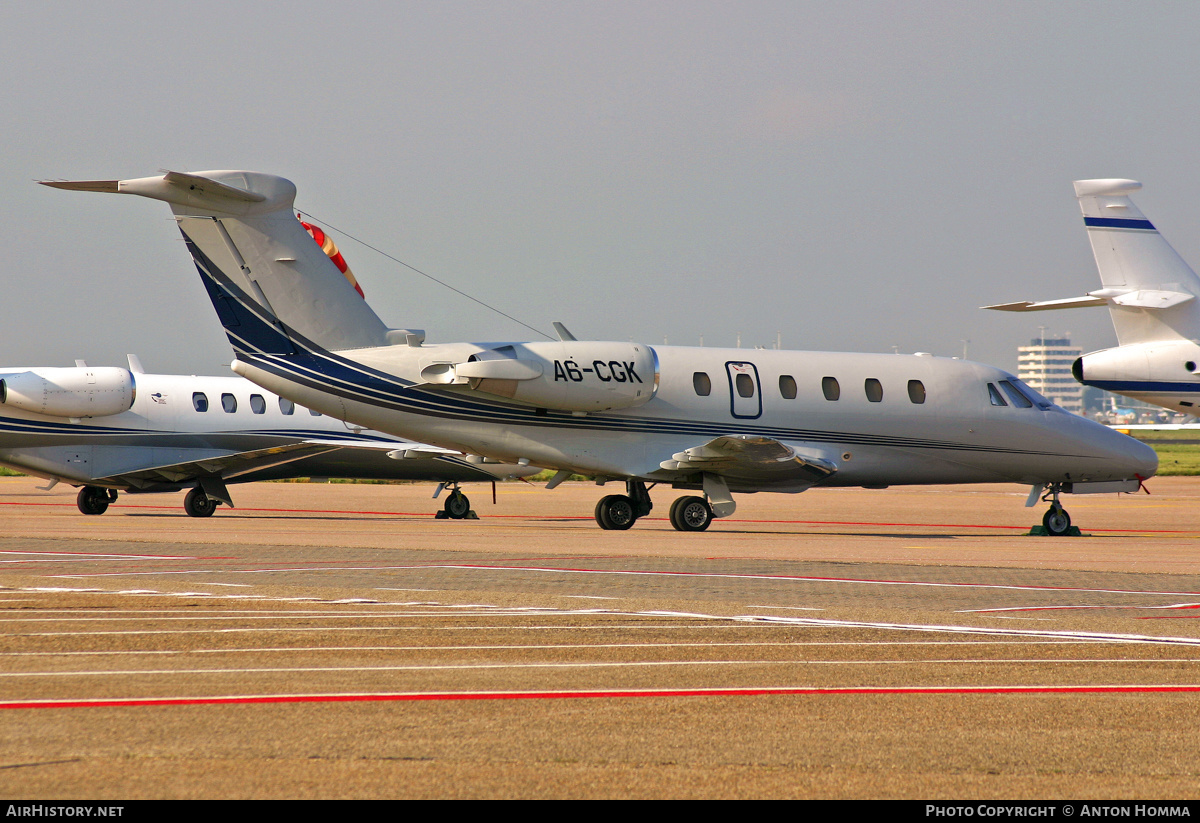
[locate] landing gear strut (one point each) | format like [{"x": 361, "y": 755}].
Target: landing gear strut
[
  {"x": 95, "y": 500},
  {"x": 620, "y": 511},
  {"x": 1055, "y": 521}
]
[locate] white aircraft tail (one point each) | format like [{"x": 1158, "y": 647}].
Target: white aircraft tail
[
  {"x": 274, "y": 289},
  {"x": 1149, "y": 289}
]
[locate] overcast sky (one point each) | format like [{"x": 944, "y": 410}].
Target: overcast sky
[{"x": 854, "y": 176}]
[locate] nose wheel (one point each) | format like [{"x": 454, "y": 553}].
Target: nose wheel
[
  {"x": 457, "y": 505},
  {"x": 1056, "y": 521}
]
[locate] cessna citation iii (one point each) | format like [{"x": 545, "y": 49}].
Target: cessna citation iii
[
  {"x": 111, "y": 430},
  {"x": 1150, "y": 293},
  {"x": 720, "y": 421}
]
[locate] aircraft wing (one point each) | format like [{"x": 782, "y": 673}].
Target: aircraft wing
[
  {"x": 752, "y": 460},
  {"x": 224, "y": 466}
]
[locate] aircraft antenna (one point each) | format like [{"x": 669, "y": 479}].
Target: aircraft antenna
[{"x": 428, "y": 276}]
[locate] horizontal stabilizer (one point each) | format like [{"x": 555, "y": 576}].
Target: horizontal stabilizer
[
  {"x": 1049, "y": 305},
  {"x": 1152, "y": 299}
]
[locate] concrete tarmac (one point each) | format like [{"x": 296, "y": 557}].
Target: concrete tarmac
[{"x": 333, "y": 641}]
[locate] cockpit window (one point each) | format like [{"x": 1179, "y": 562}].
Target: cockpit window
[
  {"x": 1014, "y": 394},
  {"x": 996, "y": 398},
  {"x": 1038, "y": 400}
]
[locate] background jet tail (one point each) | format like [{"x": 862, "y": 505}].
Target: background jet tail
[
  {"x": 1149, "y": 289},
  {"x": 274, "y": 289}
]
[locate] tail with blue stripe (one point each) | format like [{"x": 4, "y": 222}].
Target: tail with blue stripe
[
  {"x": 274, "y": 289},
  {"x": 1149, "y": 289}
]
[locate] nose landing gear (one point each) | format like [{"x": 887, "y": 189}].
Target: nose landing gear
[{"x": 1056, "y": 522}]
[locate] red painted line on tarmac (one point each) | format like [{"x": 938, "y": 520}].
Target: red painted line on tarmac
[
  {"x": 568, "y": 695},
  {"x": 425, "y": 514}
]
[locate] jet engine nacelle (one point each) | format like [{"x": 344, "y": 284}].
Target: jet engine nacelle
[
  {"x": 1163, "y": 362},
  {"x": 69, "y": 392},
  {"x": 566, "y": 375}
]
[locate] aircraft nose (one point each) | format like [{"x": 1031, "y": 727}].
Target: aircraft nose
[
  {"x": 1129, "y": 457},
  {"x": 1142, "y": 458}
]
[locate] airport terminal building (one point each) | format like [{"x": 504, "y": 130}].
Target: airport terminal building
[{"x": 1045, "y": 364}]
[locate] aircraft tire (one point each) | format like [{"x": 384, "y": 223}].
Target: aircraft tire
[
  {"x": 198, "y": 504},
  {"x": 93, "y": 500},
  {"x": 1056, "y": 521},
  {"x": 691, "y": 514},
  {"x": 615, "y": 512},
  {"x": 457, "y": 505}
]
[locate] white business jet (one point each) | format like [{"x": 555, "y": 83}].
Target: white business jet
[
  {"x": 110, "y": 430},
  {"x": 1150, "y": 293},
  {"x": 721, "y": 421}
]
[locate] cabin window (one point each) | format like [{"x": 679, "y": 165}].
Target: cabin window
[
  {"x": 787, "y": 386},
  {"x": 199, "y": 401},
  {"x": 830, "y": 388},
  {"x": 314, "y": 412},
  {"x": 1015, "y": 395},
  {"x": 916, "y": 391},
  {"x": 287, "y": 406},
  {"x": 228, "y": 403},
  {"x": 744, "y": 385},
  {"x": 994, "y": 395},
  {"x": 257, "y": 404},
  {"x": 702, "y": 384},
  {"x": 874, "y": 389}
]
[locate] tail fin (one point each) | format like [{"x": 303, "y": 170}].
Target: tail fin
[
  {"x": 274, "y": 289},
  {"x": 1150, "y": 290}
]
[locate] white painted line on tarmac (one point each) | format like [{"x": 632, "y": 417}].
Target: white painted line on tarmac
[{"x": 550, "y": 647}]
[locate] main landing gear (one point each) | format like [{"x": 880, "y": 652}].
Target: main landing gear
[
  {"x": 198, "y": 504},
  {"x": 95, "y": 500},
  {"x": 618, "y": 512},
  {"x": 1055, "y": 521}
]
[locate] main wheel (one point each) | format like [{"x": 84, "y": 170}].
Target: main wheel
[
  {"x": 691, "y": 514},
  {"x": 1056, "y": 521},
  {"x": 94, "y": 500},
  {"x": 457, "y": 505},
  {"x": 199, "y": 504},
  {"x": 615, "y": 512}
]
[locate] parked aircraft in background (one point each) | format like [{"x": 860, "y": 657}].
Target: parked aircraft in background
[
  {"x": 112, "y": 430},
  {"x": 723, "y": 421},
  {"x": 1150, "y": 293}
]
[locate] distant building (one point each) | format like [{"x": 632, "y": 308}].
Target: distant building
[{"x": 1045, "y": 364}]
